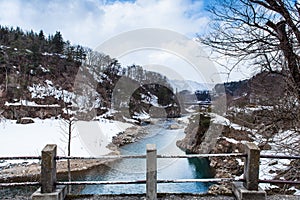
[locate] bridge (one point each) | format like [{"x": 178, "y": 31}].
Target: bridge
[
  {"x": 246, "y": 188},
  {"x": 199, "y": 103}
]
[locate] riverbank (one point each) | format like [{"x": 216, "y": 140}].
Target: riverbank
[
  {"x": 130, "y": 135},
  {"x": 31, "y": 172},
  {"x": 231, "y": 139},
  {"x": 50, "y": 131},
  {"x": 165, "y": 134},
  {"x": 25, "y": 171}
]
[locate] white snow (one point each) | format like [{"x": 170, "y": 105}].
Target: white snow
[
  {"x": 249, "y": 109},
  {"x": 42, "y": 91},
  {"x": 130, "y": 120},
  {"x": 267, "y": 166},
  {"x": 28, "y": 51},
  {"x": 143, "y": 115},
  {"x": 297, "y": 191},
  {"x": 96, "y": 135},
  {"x": 218, "y": 119},
  {"x": 240, "y": 161},
  {"x": 184, "y": 119},
  {"x": 151, "y": 99},
  {"x": 29, "y": 104},
  {"x": 30, "y": 139},
  {"x": 44, "y": 69},
  {"x": 87, "y": 100},
  {"x": 231, "y": 140},
  {"x": 191, "y": 109},
  {"x": 96, "y": 72},
  {"x": 47, "y": 54}
]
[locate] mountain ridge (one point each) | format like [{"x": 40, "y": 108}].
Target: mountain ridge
[{"x": 190, "y": 85}]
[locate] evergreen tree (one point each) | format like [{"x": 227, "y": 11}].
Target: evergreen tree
[
  {"x": 58, "y": 43},
  {"x": 41, "y": 35}
]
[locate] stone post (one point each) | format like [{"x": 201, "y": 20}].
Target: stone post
[
  {"x": 48, "y": 169},
  {"x": 49, "y": 190},
  {"x": 151, "y": 176},
  {"x": 251, "y": 169},
  {"x": 249, "y": 190}
]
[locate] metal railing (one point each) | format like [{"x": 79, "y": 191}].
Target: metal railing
[{"x": 48, "y": 181}]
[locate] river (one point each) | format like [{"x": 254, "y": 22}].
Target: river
[{"x": 134, "y": 169}]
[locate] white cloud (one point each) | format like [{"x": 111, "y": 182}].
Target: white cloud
[{"x": 90, "y": 22}]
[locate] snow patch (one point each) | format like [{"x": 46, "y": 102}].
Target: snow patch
[
  {"x": 42, "y": 91},
  {"x": 218, "y": 119},
  {"x": 30, "y": 104},
  {"x": 30, "y": 139},
  {"x": 142, "y": 116}
]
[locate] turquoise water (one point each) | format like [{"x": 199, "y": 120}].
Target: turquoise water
[{"x": 134, "y": 169}]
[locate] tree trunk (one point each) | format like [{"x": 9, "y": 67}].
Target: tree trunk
[
  {"x": 6, "y": 79},
  {"x": 290, "y": 56},
  {"x": 69, "y": 154}
]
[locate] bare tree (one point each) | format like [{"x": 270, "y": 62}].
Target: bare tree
[
  {"x": 261, "y": 33},
  {"x": 96, "y": 61},
  {"x": 68, "y": 123},
  {"x": 264, "y": 33}
]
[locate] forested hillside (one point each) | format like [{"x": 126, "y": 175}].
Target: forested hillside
[{"x": 37, "y": 71}]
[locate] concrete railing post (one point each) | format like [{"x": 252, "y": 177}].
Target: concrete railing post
[
  {"x": 151, "y": 176},
  {"x": 249, "y": 190},
  {"x": 48, "y": 189},
  {"x": 251, "y": 169},
  {"x": 48, "y": 169}
]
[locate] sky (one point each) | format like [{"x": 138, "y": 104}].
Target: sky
[{"x": 92, "y": 22}]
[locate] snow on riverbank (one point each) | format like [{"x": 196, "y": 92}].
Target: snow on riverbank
[
  {"x": 30, "y": 139},
  {"x": 269, "y": 168}
]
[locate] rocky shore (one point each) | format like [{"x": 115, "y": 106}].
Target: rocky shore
[
  {"x": 135, "y": 133},
  {"x": 130, "y": 135},
  {"x": 231, "y": 140},
  {"x": 222, "y": 167}
]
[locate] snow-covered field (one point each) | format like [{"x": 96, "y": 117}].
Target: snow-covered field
[{"x": 30, "y": 139}]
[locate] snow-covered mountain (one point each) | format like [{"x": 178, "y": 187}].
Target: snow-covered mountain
[{"x": 192, "y": 86}]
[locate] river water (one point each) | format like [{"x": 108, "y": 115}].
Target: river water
[{"x": 134, "y": 169}]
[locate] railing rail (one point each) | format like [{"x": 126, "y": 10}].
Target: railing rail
[
  {"x": 14, "y": 184},
  {"x": 279, "y": 157},
  {"x": 204, "y": 180},
  {"x": 21, "y": 158},
  {"x": 144, "y": 156}
]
